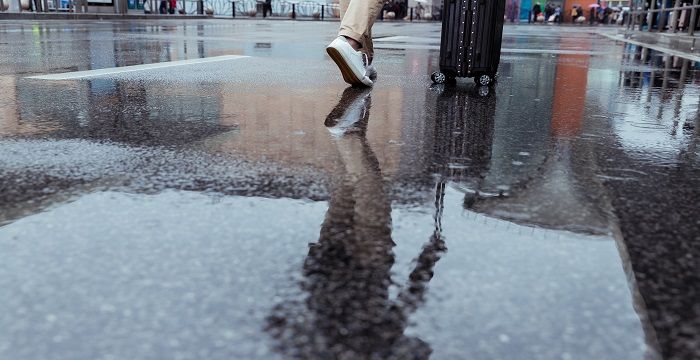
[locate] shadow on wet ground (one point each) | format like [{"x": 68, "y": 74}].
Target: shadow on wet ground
[{"x": 256, "y": 208}]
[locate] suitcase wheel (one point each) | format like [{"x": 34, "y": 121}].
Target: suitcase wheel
[
  {"x": 438, "y": 77},
  {"x": 483, "y": 91},
  {"x": 483, "y": 79}
]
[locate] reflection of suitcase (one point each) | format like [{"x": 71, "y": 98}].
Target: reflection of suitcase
[
  {"x": 471, "y": 40},
  {"x": 464, "y": 125}
]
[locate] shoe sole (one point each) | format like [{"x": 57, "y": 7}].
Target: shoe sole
[{"x": 348, "y": 75}]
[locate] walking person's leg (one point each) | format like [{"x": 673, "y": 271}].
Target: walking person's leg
[
  {"x": 353, "y": 48},
  {"x": 366, "y": 44},
  {"x": 357, "y": 21},
  {"x": 343, "y": 8},
  {"x": 368, "y": 48}
]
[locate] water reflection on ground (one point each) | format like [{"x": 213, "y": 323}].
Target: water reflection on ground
[{"x": 239, "y": 210}]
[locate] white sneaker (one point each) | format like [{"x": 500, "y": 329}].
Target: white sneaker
[{"x": 350, "y": 62}]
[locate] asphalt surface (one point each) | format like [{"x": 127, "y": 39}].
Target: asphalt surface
[{"x": 253, "y": 207}]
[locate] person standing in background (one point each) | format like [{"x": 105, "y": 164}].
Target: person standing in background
[
  {"x": 513, "y": 10},
  {"x": 536, "y": 11},
  {"x": 579, "y": 14},
  {"x": 548, "y": 11},
  {"x": 267, "y": 6}
]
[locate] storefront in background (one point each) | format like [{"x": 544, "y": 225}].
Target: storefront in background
[
  {"x": 522, "y": 9},
  {"x": 584, "y": 4}
]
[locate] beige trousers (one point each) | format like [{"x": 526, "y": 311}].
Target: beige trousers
[{"x": 356, "y": 20}]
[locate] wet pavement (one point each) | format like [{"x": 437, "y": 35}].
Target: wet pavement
[{"x": 243, "y": 204}]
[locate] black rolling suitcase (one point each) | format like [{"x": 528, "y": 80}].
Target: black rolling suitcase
[{"x": 471, "y": 40}]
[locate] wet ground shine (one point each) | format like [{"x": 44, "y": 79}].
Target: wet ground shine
[{"x": 243, "y": 204}]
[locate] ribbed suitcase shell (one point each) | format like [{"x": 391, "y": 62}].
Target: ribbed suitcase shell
[{"x": 472, "y": 31}]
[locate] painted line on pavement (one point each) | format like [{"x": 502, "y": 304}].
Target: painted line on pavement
[{"x": 126, "y": 69}]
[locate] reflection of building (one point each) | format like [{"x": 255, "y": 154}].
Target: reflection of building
[
  {"x": 649, "y": 169},
  {"x": 522, "y": 120},
  {"x": 666, "y": 71},
  {"x": 8, "y": 106},
  {"x": 569, "y": 94},
  {"x": 136, "y": 112},
  {"x": 288, "y": 128},
  {"x": 516, "y": 150},
  {"x": 538, "y": 170},
  {"x": 658, "y": 81},
  {"x": 132, "y": 112},
  {"x": 477, "y": 139}
]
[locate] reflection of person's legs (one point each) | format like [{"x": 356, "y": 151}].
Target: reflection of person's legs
[
  {"x": 349, "y": 267},
  {"x": 358, "y": 170},
  {"x": 348, "y": 312},
  {"x": 360, "y": 203},
  {"x": 372, "y": 211},
  {"x": 368, "y": 44},
  {"x": 348, "y": 271}
]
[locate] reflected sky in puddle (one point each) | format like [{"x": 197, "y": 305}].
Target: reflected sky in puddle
[{"x": 191, "y": 274}]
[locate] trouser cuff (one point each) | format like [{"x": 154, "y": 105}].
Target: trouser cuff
[{"x": 351, "y": 34}]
